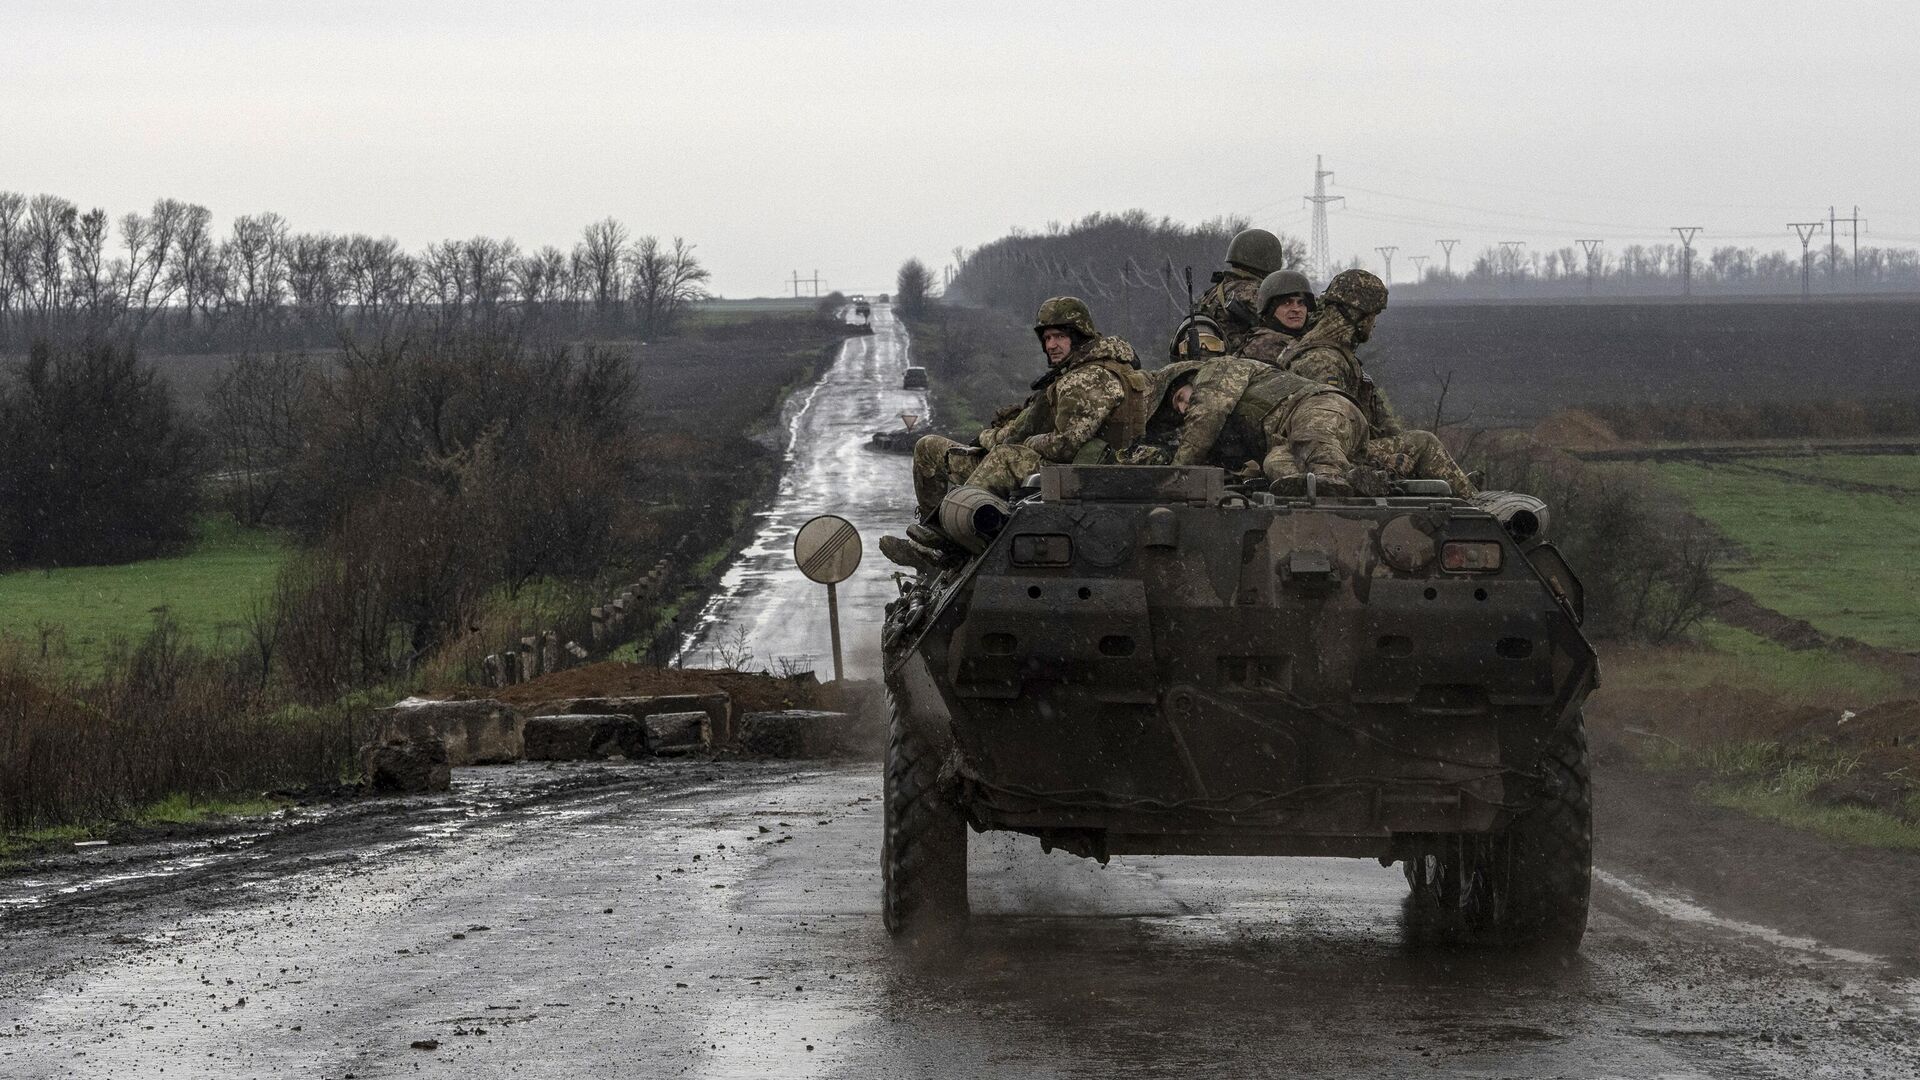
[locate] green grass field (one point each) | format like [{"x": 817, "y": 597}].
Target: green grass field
[
  {"x": 207, "y": 591},
  {"x": 1842, "y": 560}
]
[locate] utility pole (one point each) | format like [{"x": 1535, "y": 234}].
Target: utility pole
[
  {"x": 799, "y": 281},
  {"x": 1833, "y": 248},
  {"x": 1686, "y": 234},
  {"x": 1447, "y": 246},
  {"x": 1806, "y": 229},
  {"x": 1512, "y": 250},
  {"x": 1322, "y": 254},
  {"x": 1419, "y": 267},
  {"x": 1387, "y": 254},
  {"x": 1855, "y": 221},
  {"x": 1592, "y": 248}
]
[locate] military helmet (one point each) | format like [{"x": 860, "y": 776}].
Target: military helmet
[
  {"x": 1212, "y": 341},
  {"x": 1283, "y": 283},
  {"x": 1358, "y": 292},
  {"x": 1065, "y": 312},
  {"x": 1173, "y": 377},
  {"x": 1256, "y": 251}
]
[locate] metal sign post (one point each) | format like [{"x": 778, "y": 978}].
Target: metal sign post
[{"x": 828, "y": 551}]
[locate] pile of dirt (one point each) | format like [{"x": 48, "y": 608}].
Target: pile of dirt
[
  {"x": 1886, "y": 737},
  {"x": 750, "y": 692},
  {"x": 1576, "y": 429}
]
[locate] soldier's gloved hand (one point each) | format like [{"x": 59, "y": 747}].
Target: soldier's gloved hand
[
  {"x": 1247, "y": 471},
  {"x": 1370, "y": 482}
]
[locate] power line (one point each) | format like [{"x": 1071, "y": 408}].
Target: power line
[
  {"x": 1322, "y": 248},
  {"x": 1387, "y": 254},
  {"x": 1686, "y": 234},
  {"x": 1855, "y": 221},
  {"x": 1511, "y": 249},
  {"x": 1447, "y": 246},
  {"x": 1592, "y": 248},
  {"x": 1419, "y": 266},
  {"x": 1806, "y": 229}
]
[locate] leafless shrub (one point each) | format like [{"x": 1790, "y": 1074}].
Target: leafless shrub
[{"x": 1646, "y": 564}]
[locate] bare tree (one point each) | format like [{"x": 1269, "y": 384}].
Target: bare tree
[
  {"x": 665, "y": 280},
  {"x": 600, "y": 256},
  {"x": 13, "y": 249}
]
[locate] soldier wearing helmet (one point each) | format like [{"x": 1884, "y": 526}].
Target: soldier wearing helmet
[
  {"x": 1325, "y": 353},
  {"x": 1211, "y": 339},
  {"x": 1091, "y": 402},
  {"x": 1285, "y": 304},
  {"x": 1254, "y": 419},
  {"x": 1252, "y": 254}
]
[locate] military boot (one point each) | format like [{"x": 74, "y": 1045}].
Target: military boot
[
  {"x": 1323, "y": 486},
  {"x": 919, "y": 558},
  {"x": 1369, "y": 482}
]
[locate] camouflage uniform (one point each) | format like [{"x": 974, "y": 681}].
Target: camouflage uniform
[
  {"x": 1419, "y": 455},
  {"x": 1245, "y": 411},
  {"x": 1093, "y": 402},
  {"x": 1267, "y": 345},
  {"x": 1229, "y": 302}
]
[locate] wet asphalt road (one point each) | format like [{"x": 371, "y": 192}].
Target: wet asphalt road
[
  {"x": 680, "y": 918},
  {"x": 763, "y": 601},
  {"x": 685, "y": 919}
]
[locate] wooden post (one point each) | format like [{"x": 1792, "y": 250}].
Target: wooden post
[{"x": 833, "y": 623}]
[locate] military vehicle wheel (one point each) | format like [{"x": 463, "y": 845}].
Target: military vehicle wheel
[
  {"x": 1527, "y": 887},
  {"x": 923, "y": 854},
  {"x": 1549, "y": 851}
]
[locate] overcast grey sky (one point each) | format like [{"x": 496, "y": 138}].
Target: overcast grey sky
[{"x": 847, "y": 136}]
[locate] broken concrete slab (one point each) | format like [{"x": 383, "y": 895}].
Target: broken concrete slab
[
  {"x": 585, "y": 737},
  {"x": 717, "y": 708},
  {"x": 808, "y": 733},
  {"x": 402, "y": 766},
  {"x": 677, "y": 732},
  {"x": 481, "y": 732}
]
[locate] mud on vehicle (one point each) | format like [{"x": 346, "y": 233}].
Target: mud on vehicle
[{"x": 1147, "y": 661}]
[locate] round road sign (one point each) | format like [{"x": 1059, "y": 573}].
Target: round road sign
[{"x": 827, "y": 549}]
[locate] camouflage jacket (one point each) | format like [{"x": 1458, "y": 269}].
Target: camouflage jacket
[
  {"x": 1098, "y": 402},
  {"x": 1267, "y": 345},
  {"x": 1325, "y": 354},
  {"x": 1233, "y": 400},
  {"x": 1229, "y": 302}
]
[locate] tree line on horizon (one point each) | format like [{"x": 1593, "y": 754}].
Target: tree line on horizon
[
  {"x": 167, "y": 281},
  {"x": 1660, "y": 269},
  {"x": 1130, "y": 267}
]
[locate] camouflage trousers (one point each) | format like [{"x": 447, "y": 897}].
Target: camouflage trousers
[
  {"x": 1418, "y": 455},
  {"x": 1322, "y": 435},
  {"x": 940, "y": 464}
]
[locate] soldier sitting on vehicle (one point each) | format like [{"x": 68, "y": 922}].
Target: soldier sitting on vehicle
[
  {"x": 1091, "y": 402},
  {"x": 1326, "y": 353},
  {"x": 1286, "y": 305},
  {"x": 1253, "y": 419},
  {"x": 1201, "y": 330},
  {"x": 1252, "y": 254}
]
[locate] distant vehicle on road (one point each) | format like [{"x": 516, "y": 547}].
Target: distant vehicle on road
[{"x": 914, "y": 379}]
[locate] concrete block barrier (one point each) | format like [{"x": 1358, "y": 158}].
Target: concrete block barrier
[
  {"x": 808, "y": 733},
  {"x": 585, "y": 737},
  {"x": 483, "y": 732}
]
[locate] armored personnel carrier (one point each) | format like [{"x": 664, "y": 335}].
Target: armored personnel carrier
[{"x": 1143, "y": 660}]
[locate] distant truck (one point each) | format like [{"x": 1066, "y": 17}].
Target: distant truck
[{"x": 914, "y": 379}]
